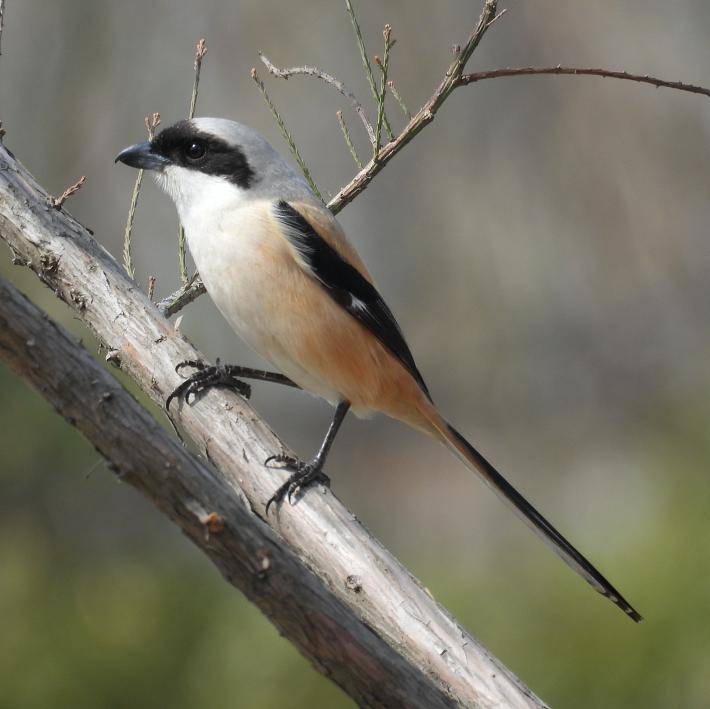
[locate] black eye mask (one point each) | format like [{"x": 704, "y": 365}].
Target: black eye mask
[{"x": 186, "y": 146}]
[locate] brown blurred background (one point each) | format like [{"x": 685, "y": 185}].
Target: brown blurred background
[{"x": 544, "y": 245}]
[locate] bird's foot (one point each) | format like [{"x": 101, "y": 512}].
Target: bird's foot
[
  {"x": 302, "y": 475},
  {"x": 206, "y": 377}
]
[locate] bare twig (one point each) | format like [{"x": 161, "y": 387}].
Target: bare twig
[
  {"x": 128, "y": 232},
  {"x": 366, "y": 61},
  {"x": 151, "y": 123},
  {"x": 151, "y": 288},
  {"x": 2, "y": 21},
  {"x": 331, "y": 80},
  {"x": 200, "y": 51},
  {"x": 399, "y": 99},
  {"x": 286, "y": 134},
  {"x": 580, "y": 71},
  {"x": 382, "y": 94},
  {"x": 348, "y": 139},
  {"x": 58, "y": 202}
]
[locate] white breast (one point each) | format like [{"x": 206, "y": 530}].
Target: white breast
[
  {"x": 227, "y": 252},
  {"x": 238, "y": 257},
  {"x": 239, "y": 253}
]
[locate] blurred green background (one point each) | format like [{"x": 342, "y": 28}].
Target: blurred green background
[{"x": 544, "y": 245}]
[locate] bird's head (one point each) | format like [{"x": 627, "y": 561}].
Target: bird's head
[{"x": 201, "y": 161}]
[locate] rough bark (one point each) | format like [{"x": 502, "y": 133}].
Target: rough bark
[{"x": 318, "y": 575}]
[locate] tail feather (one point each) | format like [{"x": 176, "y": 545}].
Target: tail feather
[{"x": 474, "y": 460}]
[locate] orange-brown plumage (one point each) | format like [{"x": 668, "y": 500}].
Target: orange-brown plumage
[{"x": 332, "y": 345}]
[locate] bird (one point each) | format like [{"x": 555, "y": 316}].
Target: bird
[{"x": 278, "y": 266}]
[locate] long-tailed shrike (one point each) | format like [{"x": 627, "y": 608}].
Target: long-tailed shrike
[{"x": 279, "y": 268}]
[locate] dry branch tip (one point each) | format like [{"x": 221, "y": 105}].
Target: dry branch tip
[{"x": 58, "y": 202}]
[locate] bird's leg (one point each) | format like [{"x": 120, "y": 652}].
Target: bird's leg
[
  {"x": 303, "y": 473},
  {"x": 221, "y": 375}
]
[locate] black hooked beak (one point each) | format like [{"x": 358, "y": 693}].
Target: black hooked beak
[{"x": 142, "y": 156}]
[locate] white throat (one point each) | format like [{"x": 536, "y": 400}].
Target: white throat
[{"x": 198, "y": 197}]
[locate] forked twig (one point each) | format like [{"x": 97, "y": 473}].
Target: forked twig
[
  {"x": 423, "y": 117},
  {"x": 328, "y": 79}
]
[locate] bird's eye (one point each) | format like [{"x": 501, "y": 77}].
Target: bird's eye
[{"x": 196, "y": 150}]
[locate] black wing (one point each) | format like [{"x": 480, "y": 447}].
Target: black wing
[{"x": 346, "y": 286}]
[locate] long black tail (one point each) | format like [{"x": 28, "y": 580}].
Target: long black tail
[{"x": 474, "y": 460}]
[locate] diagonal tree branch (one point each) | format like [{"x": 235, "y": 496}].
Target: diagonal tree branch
[{"x": 329, "y": 587}]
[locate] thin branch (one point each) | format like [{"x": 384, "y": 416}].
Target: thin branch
[
  {"x": 2, "y": 21},
  {"x": 182, "y": 296},
  {"x": 58, "y": 202},
  {"x": 399, "y": 99},
  {"x": 331, "y": 80},
  {"x": 200, "y": 51},
  {"x": 348, "y": 605},
  {"x": 128, "y": 232},
  {"x": 348, "y": 139},
  {"x": 384, "y": 67},
  {"x": 151, "y": 123},
  {"x": 286, "y": 134},
  {"x": 579, "y": 71},
  {"x": 366, "y": 61}
]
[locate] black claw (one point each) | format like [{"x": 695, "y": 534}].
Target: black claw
[
  {"x": 302, "y": 475},
  {"x": 290, "y": 463},
  {"x": 194, "y": 363},
  {"x": 205, "y": 378}
]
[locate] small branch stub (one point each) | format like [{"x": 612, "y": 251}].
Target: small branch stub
[{"x": 58, "y": 202}]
